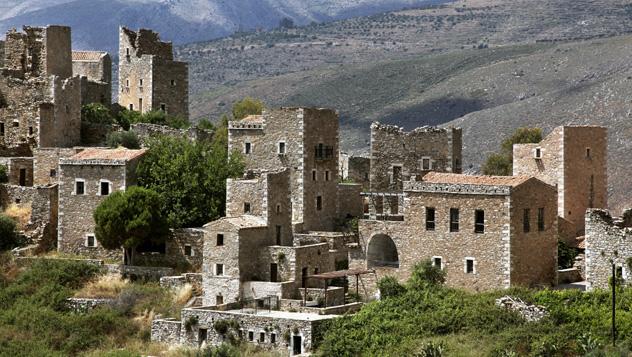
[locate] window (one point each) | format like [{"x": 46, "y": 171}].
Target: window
[
  {"x": 80, "y": 188},
  {"x": 397, "y": 174},
  {"x": 278, "y": 235},
  {"x": 469, "y": 266},
  {"x": 127, "y": 82},
  {"x": 313, "y": 175},
  {"x": 104, "y": 188},
  {"x": 537, "y": 153},
  {"x": 273, "y": 338},
  {"x": 219, "y": 300},
  {"x": 16, "y": 124},
  {"x": 140, "y": 104},
  {"x": 2, "y": 129},
  {"x": 127, "y": 51},
  {"x": 251, "y": 336},
  {"x": 526, "y": 226},
  {"x": 140, "y": 82},
  {"x": 319, "y": 203},
  {"x": 540, "y": 219},
  {"x": 430, "y": 219},
  {"x": 246, "y": 207},
  {"x": 219, "y": 269},
  {"x": 262, "y": 337},
  {"x": 173, "y": 82},
  {"x": 202, "y": 335},
  {"x": 437, "y": 262},
  {"x": 588, "y": 153},
  {"x": 163, "y": 107},
  {"x": 91, "y": 241},
  {"x": 247, "y": 148},
  {"x": 220, "y": 240},
  {"x": 131, "y": 106},
  {"x": 426, "y": 163},
  {"x": 281, "y": 148},
  {"x": 479, "y": 221},
  {"x": 188, "y": 250},
  {"x": 53, "y": 173},
  {"x": 454, "y": 219},
  {"x": 278, "y": 209},
  {"x": 327, "y": 175},
  {"x": 30, "y": 130}
]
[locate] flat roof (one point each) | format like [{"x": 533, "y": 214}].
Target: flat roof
[
  {"x": 481, "y": 180},
  {"x": 117, "y": 154},
  {"x": 341, "y": 273},
  {"x": 302, "y": 316}
]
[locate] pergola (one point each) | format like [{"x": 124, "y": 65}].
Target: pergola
[{"x": 334, "y": 275}]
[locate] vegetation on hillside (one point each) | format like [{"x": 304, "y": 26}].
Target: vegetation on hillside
[
  {"x": 501, "y": 163},
  {"x": 9, "y": 237},
  {"x": 422, "y": 316},
  {"x": 4, "y": 175},
  {"x": 129, "y": 219}
]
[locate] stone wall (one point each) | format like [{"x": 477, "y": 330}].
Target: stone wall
[
  {"x": 146, "y": 130},
  {"x": 166, "y": 331},
  {"x": 46, "y": 163},
  {"x": 607, "y": 242},
  {"x": 392, "y": 147},
  {"x": 171, "y": 87},
  {"x": 180, "y": 243},
  {"x": 359, "y": 170},
  {"x": 350, "y": 202},
  {"x": 178, "y": 281},
  {"x": 19, "y": 169},
  {"x": 95, "y": 92},
  {"x": 95, "y": 134}
]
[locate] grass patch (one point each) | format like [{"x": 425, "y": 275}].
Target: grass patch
[{"x": 104, "y": 286}]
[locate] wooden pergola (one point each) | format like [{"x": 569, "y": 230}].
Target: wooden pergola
[{"x": 335, "y": 275}]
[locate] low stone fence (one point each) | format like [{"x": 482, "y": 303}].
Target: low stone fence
[
  {"x": 335, "y": 295},
  {"x": 570, "y": 275},
  {"x": 83, "y": 305},
  {"x": 166, "y": 330},
  {"x": 178, "y": 281},
  {"x": 139, "y": 272}
]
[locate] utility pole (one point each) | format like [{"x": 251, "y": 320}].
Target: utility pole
[{"x": 614, "y": 300}]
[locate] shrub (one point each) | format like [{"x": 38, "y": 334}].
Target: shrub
[
  {"x": 4, "y": 175},
  {"x": 425, "y": 273},
  {"x": 390, "y": 287},
  {"x": 96, "y": 113},
  {"x": 126, "y": 139},
  {"x": 247, "y": 106},
  {"x": 9, "y": 238}
]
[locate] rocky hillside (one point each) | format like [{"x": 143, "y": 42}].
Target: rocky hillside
[{"x": 95, "y": 22}]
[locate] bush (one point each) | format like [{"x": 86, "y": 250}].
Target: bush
[
  {"x": 96, "y": 113},
  {"x": 501, "y": 163},
  {"x": 126, "y": 139},
  {"x": 9, "y": 237},
  {"x": 390, "y": 287},
  {"x": 425, "y": 273},
  {"x": 565, "y": 255},
  {"x": 4, "y": 174},
  {"x": 247, "y": 106}
]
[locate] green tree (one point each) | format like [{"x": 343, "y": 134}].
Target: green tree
[
  {"x": 127, "y": 219},
  {"x": 205, "y": 124},
  {"x": 96, "y": 113},
  {"x": 247, "y": 106},
  {"x": 127, "y": 139},
  {"x": 4, "y": 174},
  {"x": 501, "y": 163},
  {"x": 126, "y": 117},
  {"x": 9, "y": 237},
  {"x": 390, "y": 287},
  {"x": 190, "y": 176}
]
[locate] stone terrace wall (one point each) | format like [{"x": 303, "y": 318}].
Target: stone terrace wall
[
  {"x": 42, "y": 224},
  {"x": 146, "y": 130}
]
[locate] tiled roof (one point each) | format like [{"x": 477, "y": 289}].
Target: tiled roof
[
  {"x": 87, "y": 55},
  {"x": 253, "y": 119},
  {"x": 447, "y": 178},
  {"x": 108, "y": 154},
  {"x": 243, "y": 221}
]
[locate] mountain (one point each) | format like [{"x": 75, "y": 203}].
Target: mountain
[{"x": 95, "y": 22}]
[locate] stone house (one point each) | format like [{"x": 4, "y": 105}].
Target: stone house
[
  {"x": 85, "y": 180},
  {"x": 607, "y": 242},
  {"x": 95, "y": 70},
  {"x": 40, "y": 100},
  {"x": 304, "y": 140},
  {"x": 486, "y": 232},
  {"x": 149, "y": 77},
  {"x": 19, "y": 170},
  {"x": 397, "y": 155},
  {"x": 574, "y": 159}
]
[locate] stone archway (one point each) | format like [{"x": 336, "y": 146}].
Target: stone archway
[{"x": 382, "y": 252}]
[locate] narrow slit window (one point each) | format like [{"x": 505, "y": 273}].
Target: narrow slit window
[
  {"x": 541, "y": 219},
  {"x": 479, "y": 221},
  {"x": 454, "y": 219},
  {"x": 526, "y": 225},
  {"x": 430, "y": 218}
]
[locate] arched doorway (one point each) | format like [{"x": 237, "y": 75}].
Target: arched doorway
[{"x": 382, "y": 252}]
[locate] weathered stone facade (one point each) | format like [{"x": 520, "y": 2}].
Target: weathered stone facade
[
  {"x": 356, "y": 169},
  {"x": 607, "y": 242},
  {"x": 95, "y": 70},
  {"x": 183, "y": 250},
  {"x": 483, "y": 246},
  {"x": 573, "y": 158},
  {"x": 19, "y": 169},
  {"x": 396, "y": 155},
  {"x": 304, "y": 140},
  {"x": 149, "y": 78},
  {"x": 85, "y": 179},
  {"x": 146, "y": 131}
]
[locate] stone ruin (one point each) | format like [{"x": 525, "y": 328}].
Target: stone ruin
[{"x": 529, "y": 312}]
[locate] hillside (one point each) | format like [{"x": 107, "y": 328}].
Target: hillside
[{"x": 95, "y": 22}]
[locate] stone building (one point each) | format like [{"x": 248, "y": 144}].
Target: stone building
[
  {"x": 19, "y": 170},
  {"x": 397, "y": 155},
  {"x": 486, "y": 232},
  {"x": 85, "y": 179},
  {"x": 304, "y": 140},
  {"x": 40, "y": 100},
  {"x": 149, "y": 78},
  {"x": 355, "y": 169},
  {"x": 95, "y": 70},
  {"x": 573, "y": 158},
  {"x": 607, "y": 242}
]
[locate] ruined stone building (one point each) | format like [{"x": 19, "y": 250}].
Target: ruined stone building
[
  {"x": 149, "y": 78},
  {"x": 574, "y": 159},
  {"x": 486, "y": 232},
  {"x": 85, "y": 180},
  {"x": 607, "y": 242},
  {"x": 355, "y": 169},
  {"x": 40, "y": 100},
  {"x": 95, "y": 69},
  {"x": 397, "y": 155},
  {"x": 304, "y": 140}
]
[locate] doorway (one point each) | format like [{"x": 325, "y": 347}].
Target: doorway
[
  {"x": 297, "y": 345},
  {"x": 274, "y": 270}
]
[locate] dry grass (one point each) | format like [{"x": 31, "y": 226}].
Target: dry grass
[
  {"x": 21, "y": 213},
  {"x": 183, "y": 294},
  {"x": 105, "y": 286}
]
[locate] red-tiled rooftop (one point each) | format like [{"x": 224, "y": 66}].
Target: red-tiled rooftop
[
  {"x": 87, "y": 55},
  {"x": 108, "y": 154},
  {"x": 439, "y": 177}
]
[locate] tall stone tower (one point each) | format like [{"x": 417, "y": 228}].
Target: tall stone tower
[{"x": 149, "y": 78}]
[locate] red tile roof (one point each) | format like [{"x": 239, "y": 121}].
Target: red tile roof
[
  {"x": 439, "y": 177},
  {"x": 108, "y": 154}
]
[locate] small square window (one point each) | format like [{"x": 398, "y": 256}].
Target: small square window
[
  {"x": 438, "y": 262},
  {"x": 281, "y": 148},
  {"x": 219, "y": 300},
  {"x": 131, "y": 106},
  {"x": 219, "y": 269},
  {"x": 80, "y": 188},
  {"x": 262, "y": 337},
  {"x": 16, "y": 124},
  {"x": 163, "y": 107},
  {"x": 220, "y": 239},
  {"x": 53, "y": 173},
  {"x": 188, "y": 250},
  {"x": 319, "y": 203},
  {"x": 173, "y": 82},
  {"x": 91, "y": 241},
  {"x": 247, "y": 148},
  {"x": 105, "y": 188},
  {"x": 469, "y": 266},
  {"x": 426, "y": 164},
  {"x": 246, "y": 207},
  {"x": 538, "y": 153}
]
